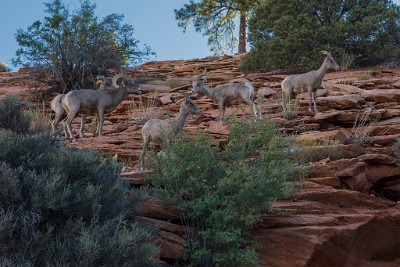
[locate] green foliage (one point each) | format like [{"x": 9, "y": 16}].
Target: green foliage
[
  {"x": 11, "y": 115},
  {"x": 65, "y": 207},
  {"x": 68, "y": 48},
  {"x": 220, "y": 194},
  {"x": 217, "y": 21},
  {"x": 287, "y": 35}
]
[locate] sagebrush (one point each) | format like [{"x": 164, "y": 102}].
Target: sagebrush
[
  {"x": 64, "y": 206},
  {"x": 221, "y": 193}
]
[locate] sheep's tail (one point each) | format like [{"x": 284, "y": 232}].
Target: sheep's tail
[
  {"x": 56, "y": 101},
  {"x": 251, "y": 89}
]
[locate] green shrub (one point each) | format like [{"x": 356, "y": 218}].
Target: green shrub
[
  {"x": 62, "y": 206},
  {"x": 287, "y": 35},
  {"x": 220, "y": 194},
  {"x": 11, "y": 115},
  {"x": 69, "y": 47}
]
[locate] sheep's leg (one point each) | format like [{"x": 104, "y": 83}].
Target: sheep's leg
[
  {"x": 71, "y": 115},
  {"x": 55, "y": 122},
  {"x": 146, "y": 141},
  {"x": 83, "y": 121},
  {"x": 314, "y": 95},
  {"x": 310, "y": 96},
  {"x": 64, "y": 124},
  {"x": 100, "y": 123},
  {"x": 221, "y": 109},
  {"x": 252, "y": 105}
]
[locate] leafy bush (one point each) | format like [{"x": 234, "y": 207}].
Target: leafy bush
[
  {"x": 220, "y": 194},
  {"x": 12, "y": 115},
  {"x": 68, "y": 48},
  {"x": 61, "y": 206},
  {"x": 287, "y": 35}
]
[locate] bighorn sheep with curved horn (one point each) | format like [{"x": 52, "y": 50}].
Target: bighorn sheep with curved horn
[
  {"x": 294, "y": 84},
  {"x": 101, "y": 83},
  {"x": 99, "y": 102},
  {"x": 155, "y": 129},
  {"x": 226, "y": 94}
]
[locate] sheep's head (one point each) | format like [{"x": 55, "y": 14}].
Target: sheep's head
[
  {"x": 134, "y": 88},
  {"x": 330, "y": 61},
  {"x": 190, "y": 106},
  {"x": 123, "y": 80},
  {"x": 198, "y": 84}
]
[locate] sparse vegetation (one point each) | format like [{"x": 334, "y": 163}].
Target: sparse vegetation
[
  {"x": 68, "y": 49},
  {"x": 363, "y": 75},
  {"x": 220, "y": 194},
  {"x": 176, "y": 82},
  {"x": 362, "y": 127},
  {"x": 62, "y": 206},
  {"x": 346, "y": 60},
  {"x": 290, "y": 108},
  {"x": 143, "y": 111},
  {"x": 316, "y": 150}
]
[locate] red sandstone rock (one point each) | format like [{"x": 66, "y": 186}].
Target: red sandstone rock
[{"x": 319, "y": 226}]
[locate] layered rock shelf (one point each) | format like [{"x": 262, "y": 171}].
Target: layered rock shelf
[{"x": 347, "y": 211}]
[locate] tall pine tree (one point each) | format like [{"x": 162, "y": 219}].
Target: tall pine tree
[{"x": 217, "y": 19}]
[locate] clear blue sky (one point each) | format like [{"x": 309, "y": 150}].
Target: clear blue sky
[{"x": 153, "y": 20}]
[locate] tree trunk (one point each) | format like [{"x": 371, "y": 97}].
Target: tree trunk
[{"x": 242, "y": 32}]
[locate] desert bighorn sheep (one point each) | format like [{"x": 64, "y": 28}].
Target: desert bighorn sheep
[
  {"x": 226, "y": 94},
  {"x": 155, "y": 129},
  {"x": 294, "y": 84},
  {"x": 101, "y": 83},
  {"x": 99, "y": 102}
]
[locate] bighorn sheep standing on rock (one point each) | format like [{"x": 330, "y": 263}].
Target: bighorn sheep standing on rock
[
  {"x": 294, "y": 84},
  {"x": 155, "y": 129},
  {"x": 99, "y": 102},
  {"x": 101, "y": 83},
  {"x": 226, "y": 94}
]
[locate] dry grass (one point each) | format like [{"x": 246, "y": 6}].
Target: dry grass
[
  {"x": 143, "y": 111},
  {"x": 289, "y": 109},
  {"x": 176, "y": 82},
  {"x": 364, "y": 75},
  {"x": 346, "y": 60},
  {"x": 362, "y": 127},
  {"x": 316, "y": 150}
]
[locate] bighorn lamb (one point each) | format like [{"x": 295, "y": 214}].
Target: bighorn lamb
[
  {"x": 226, "y": 94},
  {"x": 294, "y": 84},
  {"x": 99, "y": 102},
  {"x": 101, "y": 83},
  {"x": 155, "y": 129}
]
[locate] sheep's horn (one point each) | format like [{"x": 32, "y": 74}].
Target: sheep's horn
[
  {"x": 324, "y": 52},
  {"x": 99, "y": 82},
  {"x": 119, "y": 76}
]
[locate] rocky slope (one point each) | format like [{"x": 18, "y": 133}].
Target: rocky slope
[{"x": 346, "y": 214}]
